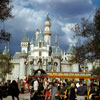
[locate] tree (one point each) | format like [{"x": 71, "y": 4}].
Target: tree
[
  {"x": 88, "y": 47},
  {"x": 97, "y": 20},
  {"x": 5, "y": 13},
  {"x": 96, "y": 42},
  {"x": 83, "y": 33},
  {"x": 96, "y": 71},
  {"x": 5, "y": 59},
  {"x": 5, "y": 64},
  {"x": 5, "y": 10}
]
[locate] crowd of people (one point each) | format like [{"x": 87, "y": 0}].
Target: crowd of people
[
  {"x": 9, "y": 89},
  {"x": 46, "y": 89}
]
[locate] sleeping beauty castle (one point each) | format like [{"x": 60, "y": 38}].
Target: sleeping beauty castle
[{"x": 40, "y": 54}]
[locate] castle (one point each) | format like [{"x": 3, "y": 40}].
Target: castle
[{"x": 40, "y": 54}]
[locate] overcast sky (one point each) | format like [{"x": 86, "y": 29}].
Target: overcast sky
[{"x": 31, "y": 14}]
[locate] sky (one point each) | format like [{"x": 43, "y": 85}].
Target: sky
[{"x": 30, "y": 15}]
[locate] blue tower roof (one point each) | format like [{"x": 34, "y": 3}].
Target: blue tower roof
[{"x": 5, "y": 50}]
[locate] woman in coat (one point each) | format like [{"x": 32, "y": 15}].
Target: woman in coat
[{"x": 72, "y": 92}]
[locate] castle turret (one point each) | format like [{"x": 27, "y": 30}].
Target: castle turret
[
  {"x": 24, "y": 45},
  {"x": 47, "y": 30}
]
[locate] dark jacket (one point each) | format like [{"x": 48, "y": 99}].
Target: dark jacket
[
  {"x": 81, "y": 91},
  {"x": 72, "y": 94},
  {"x": 13, "y": 89},
  {"x": 0, "y": 93}
]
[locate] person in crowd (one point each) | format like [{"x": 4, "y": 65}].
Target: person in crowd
[
  {"x": 0, "y": 92},
  {"x": 8, "y": 83},
  {"x": 22, "y": 86},
  {"x": 4, "y": 90},
  {"x": 61, "y": 91},
  {"x": 41, "y": 88},
  {"x": 54, "y": 91},
  {"x": 35, "y": 88},
  {"x": 91, "y": 84},
  {"x": 35, "y": 85},
  {"x": 28, "y": 88},
  {"x": 46, "y": 83},
  {"x": 81, "y": 92},
  {"x": 47, "y": 93},
  {"x": 94, "y": 92},
  {"x": 72, "y": 92},
  {"x": 18, "y": 80},
  {"x": 13, "y": 90}
]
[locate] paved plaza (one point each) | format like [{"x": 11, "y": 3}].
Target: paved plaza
[{"x": 25, "y": 96}]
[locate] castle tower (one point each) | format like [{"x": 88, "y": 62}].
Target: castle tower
[
  {"x": 24, "y": 44},
  {"x": 47, "y": 30}
]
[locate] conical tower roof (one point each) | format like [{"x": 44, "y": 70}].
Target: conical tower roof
[
  {"x": 25, "y": 39},
  {"x": 5, "y": 50}
]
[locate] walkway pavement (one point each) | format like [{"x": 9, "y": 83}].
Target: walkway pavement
[{"x": 25, "y": 96}]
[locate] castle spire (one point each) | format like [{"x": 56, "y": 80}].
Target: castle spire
[
  {"x": 5, "y": 50},
  {"x": 47, "y": 30},
  {"x": 24, "y": 44},
  {"x": 48, "y": 18},
  {"x": 56, "y": 39},
  {"x": 25, "y": 39}
]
